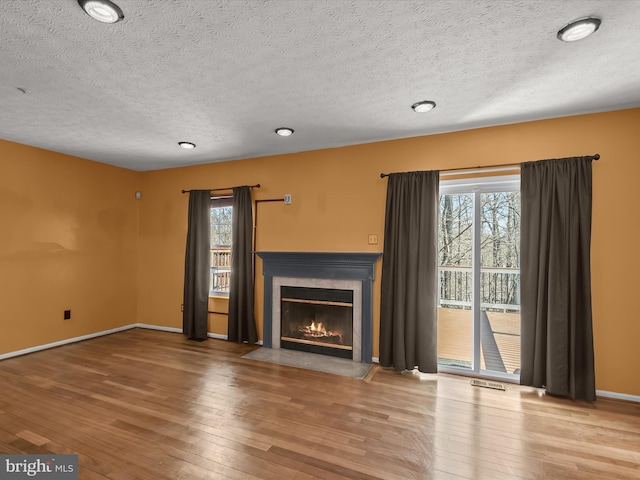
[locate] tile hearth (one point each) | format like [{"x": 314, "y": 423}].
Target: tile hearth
[{"x": 310, "y": 361}]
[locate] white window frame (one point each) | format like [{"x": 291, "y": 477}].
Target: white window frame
[{"x": 478, "y": 186}]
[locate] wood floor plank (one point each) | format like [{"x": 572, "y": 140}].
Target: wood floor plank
[{"x": 144, "y": 404}]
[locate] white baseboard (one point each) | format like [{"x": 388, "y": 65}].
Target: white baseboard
[
  {"x": 225, "y": 337},
  {"x": 218, "y": 336},
  {"x": 375, "y": 360},
  {"x": 157, "y": 327},
  {"x": 176, "y": 330},
  {"x": 64, "y": 342},
  {"x": 100, "y": 334},
  {"x": 618, "y": 396}
]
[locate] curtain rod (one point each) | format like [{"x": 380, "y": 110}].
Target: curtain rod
[
  {"x": 503, "y": 166},
  {"x": 257, "y": 185}
]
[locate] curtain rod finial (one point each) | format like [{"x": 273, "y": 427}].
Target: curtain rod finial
[{"x": 596, "y": 156}]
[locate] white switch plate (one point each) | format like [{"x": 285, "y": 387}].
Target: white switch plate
[{"x": 287, "y": 199}]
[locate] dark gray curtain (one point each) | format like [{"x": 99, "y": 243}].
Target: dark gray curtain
[
  {"x": 242, "y": 324},
  {"x": 197, "y": 266},
  {"x": 408, "y": 331},
  {"x": 557, "y": 338}
]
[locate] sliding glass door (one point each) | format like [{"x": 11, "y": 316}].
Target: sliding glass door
[{"x": 479, "y": 277}]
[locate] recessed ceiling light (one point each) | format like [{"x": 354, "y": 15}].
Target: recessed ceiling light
[
  {"x": 284, "y": 131},
  {"x": 103, "y": 11},
  {"x": 579, "y": 29},
  {"x": 423, "y": 107},
  {"x": 187, "y": 145}
]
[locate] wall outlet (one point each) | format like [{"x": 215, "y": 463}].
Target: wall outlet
[
  {"x": 373, "y": 239},
  {"x": 182, "y": 307},
  {"x": 67, "y": 314},
  {"x": 287, "y": 199}
]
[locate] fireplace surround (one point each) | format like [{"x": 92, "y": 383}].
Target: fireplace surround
[{"x": 321, "y": 270}]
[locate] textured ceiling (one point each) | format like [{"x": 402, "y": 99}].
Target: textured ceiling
[{"x": 225, "y": 74}]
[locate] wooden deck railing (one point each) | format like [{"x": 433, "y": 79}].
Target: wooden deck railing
[
  {"x": 499, "y": 288},
  {"x": 220, "y": 269}
]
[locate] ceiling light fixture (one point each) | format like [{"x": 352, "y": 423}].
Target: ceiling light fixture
[
  {"x": 187, "y": 145},
  {"x": 579, "y": 29},
  {"x": 103, "y": 11},
  {"x": 424, "y": 106},
  {"x": 284, "y": 131}
]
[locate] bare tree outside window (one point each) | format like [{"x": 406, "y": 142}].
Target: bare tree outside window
[
  {"x": 500, "y": 249},
  {"x": 220, "y": 249}
]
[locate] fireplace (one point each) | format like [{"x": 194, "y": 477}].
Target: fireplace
[
  {"x": 332, "y": 289},
  {"x": 317, "y": 320}
]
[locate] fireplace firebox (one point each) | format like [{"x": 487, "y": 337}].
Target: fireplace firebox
[{"x": 317, "y": 320}]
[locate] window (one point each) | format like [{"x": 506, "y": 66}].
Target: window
[
  {"x": 221, "y": 210},
  {"x": 479, "y": 276}
]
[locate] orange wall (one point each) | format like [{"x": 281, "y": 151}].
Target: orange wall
[
  {"x": 68, "y": 241},
  {"x": 338, "y": 199},
  {"x": 74, "y": 237}
]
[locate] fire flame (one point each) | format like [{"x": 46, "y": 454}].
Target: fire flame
[{"x": 317, "y": 330}]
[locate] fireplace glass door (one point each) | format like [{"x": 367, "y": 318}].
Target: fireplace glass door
[{"x": 317, "y": 320}]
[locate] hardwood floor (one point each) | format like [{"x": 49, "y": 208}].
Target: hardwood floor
[{"x": 153, "y": 405}]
